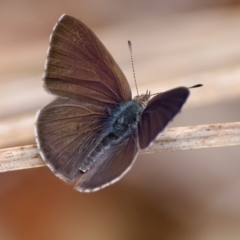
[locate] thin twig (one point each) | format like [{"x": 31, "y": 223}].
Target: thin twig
[
  {"x": 181, "y": 138},
  {"x": 192, "y": 137}
]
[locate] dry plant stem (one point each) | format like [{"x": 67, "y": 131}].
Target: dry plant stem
[
  {"x": 17, "y": 158},
  {"x": 192, "y": 137},
  {"x": 181, "y": 138}
]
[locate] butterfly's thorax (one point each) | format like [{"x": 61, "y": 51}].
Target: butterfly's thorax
[
  {"x": 125, "y": 118},
  {"x": 121, "y": 123}
]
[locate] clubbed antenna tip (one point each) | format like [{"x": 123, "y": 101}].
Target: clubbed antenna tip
[{"x": 196, "y": 86}]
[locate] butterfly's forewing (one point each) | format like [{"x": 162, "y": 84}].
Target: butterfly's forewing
[
  {"x": 160, "y": 110},
  {"x": 116, "y": 161},
  {"x": 80, "y": 67},
  {"x": 67, "y": 132}
]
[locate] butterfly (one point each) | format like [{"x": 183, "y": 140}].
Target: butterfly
[{"x": 92, "y": 132}]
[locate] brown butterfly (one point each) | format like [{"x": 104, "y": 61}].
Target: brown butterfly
[{"x": 92, "y": 132}]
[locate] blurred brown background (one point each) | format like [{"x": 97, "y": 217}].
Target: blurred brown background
[{"x": 175, "y": 195}]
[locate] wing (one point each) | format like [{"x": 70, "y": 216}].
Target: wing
[
  {"x": 67, "y": 132},
  {"x": 160, "y": 110},
  {"x": 113, "y": 165},
  {"x": 79, "y": 67}
]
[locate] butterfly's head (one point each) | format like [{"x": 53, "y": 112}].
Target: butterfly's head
[{"x": 143, "y": 99}]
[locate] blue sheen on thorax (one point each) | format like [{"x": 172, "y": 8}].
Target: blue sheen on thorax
[{"x": 124, "y": 118}]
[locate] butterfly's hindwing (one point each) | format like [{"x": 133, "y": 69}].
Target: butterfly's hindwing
[{"x": 67, "y": 131}]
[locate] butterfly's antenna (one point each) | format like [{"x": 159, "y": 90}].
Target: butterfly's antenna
[
  {"x": 130, "y": 49},
  {"x": 196, "y": 86}
]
